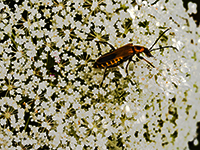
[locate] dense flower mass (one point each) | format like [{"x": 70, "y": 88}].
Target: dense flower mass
[{"x": 50, "y": 94}]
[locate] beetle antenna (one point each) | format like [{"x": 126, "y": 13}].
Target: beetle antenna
[
  {"x": 164, "y": 47},
  {"x": 150, "y": 49}
]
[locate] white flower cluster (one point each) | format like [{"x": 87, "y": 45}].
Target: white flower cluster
[{"x": 50, "y": 95}]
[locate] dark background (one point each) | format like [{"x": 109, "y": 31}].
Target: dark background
[{"x": 196, "y": 16}]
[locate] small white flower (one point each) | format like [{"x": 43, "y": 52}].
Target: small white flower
[{"x": 192, "y": 8}]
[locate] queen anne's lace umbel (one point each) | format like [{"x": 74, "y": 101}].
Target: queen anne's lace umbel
[{"x": 50, "y": 98}]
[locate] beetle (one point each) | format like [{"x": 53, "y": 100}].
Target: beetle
[{"x": 124, "y": 53}]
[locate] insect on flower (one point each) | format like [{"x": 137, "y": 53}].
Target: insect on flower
[{"x": 124, "y": 53}]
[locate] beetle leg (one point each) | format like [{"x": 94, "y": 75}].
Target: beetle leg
[
  {"x": 127, "y": 65},
  {"x": 112, "y": 47},
  {"x": 104, "y": 75},
  {"x": 145, "y": 60},
  {"x": 130, "y": 59}
]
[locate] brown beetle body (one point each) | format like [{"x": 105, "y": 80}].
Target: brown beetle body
[
  {"x": 116, "y": 57},
  {"x": 124, "y": 53}
]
